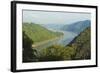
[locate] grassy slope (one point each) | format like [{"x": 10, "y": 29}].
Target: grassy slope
[{"x": 38, "y": 33}]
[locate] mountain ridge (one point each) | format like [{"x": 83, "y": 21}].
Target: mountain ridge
[{"x": 77, "y": 27}]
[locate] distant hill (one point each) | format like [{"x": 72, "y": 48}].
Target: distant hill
[
  {"x": 82, "y": 44},
  {"x": 77, "y": 27},
  {"x": 38, "y": 33},
  {"x": 53, "y": 26}
]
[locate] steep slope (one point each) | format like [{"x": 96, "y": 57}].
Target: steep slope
[
  {"x": 82, "y": 45},
  {"x": 38, "y": 33},
  {"x": 77, "y": 27}
]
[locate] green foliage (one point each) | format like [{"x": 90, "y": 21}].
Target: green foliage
[
  {"x": 56, "y": 53},
  {"x": 52, "y": 53},
  {"x": 28, "y": 52},
  {"x": 83, "y": 45}
]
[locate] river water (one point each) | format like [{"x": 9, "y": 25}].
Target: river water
[{"x": 66, "y": 38}]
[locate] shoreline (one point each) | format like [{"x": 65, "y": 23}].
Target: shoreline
[{"x": 46, "y": 41}]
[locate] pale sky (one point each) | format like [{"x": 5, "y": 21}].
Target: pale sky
[{"x": 46, "y": 17}]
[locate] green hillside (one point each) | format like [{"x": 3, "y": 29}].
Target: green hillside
[
  {"x": 82, "y": 44},
  {"x": 38, "y": 33}
]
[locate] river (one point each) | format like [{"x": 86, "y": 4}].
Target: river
[{"x": 67, "y": 37}]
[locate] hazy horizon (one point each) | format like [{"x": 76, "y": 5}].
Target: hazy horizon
[{"x": 46, "y": 17}]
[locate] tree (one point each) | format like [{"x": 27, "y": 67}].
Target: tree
[
  {"x": 28, "y": 52},
  {"x": 56, "y": 53}
]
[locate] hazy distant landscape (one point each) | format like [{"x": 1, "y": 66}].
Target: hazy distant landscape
[{"x": 48, "y": 41}]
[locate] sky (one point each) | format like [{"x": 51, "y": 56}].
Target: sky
[{"x": 50, "y": 17}]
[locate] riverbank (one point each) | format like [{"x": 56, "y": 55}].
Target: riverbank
[{"x": 46, "y": 43}]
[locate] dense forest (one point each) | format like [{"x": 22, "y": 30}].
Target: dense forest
[
  {"x": 82, "y": 43},
  {"x": 78, "y": 49}
]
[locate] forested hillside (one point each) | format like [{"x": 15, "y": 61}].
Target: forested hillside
[{"x": 83, "y": 45}]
